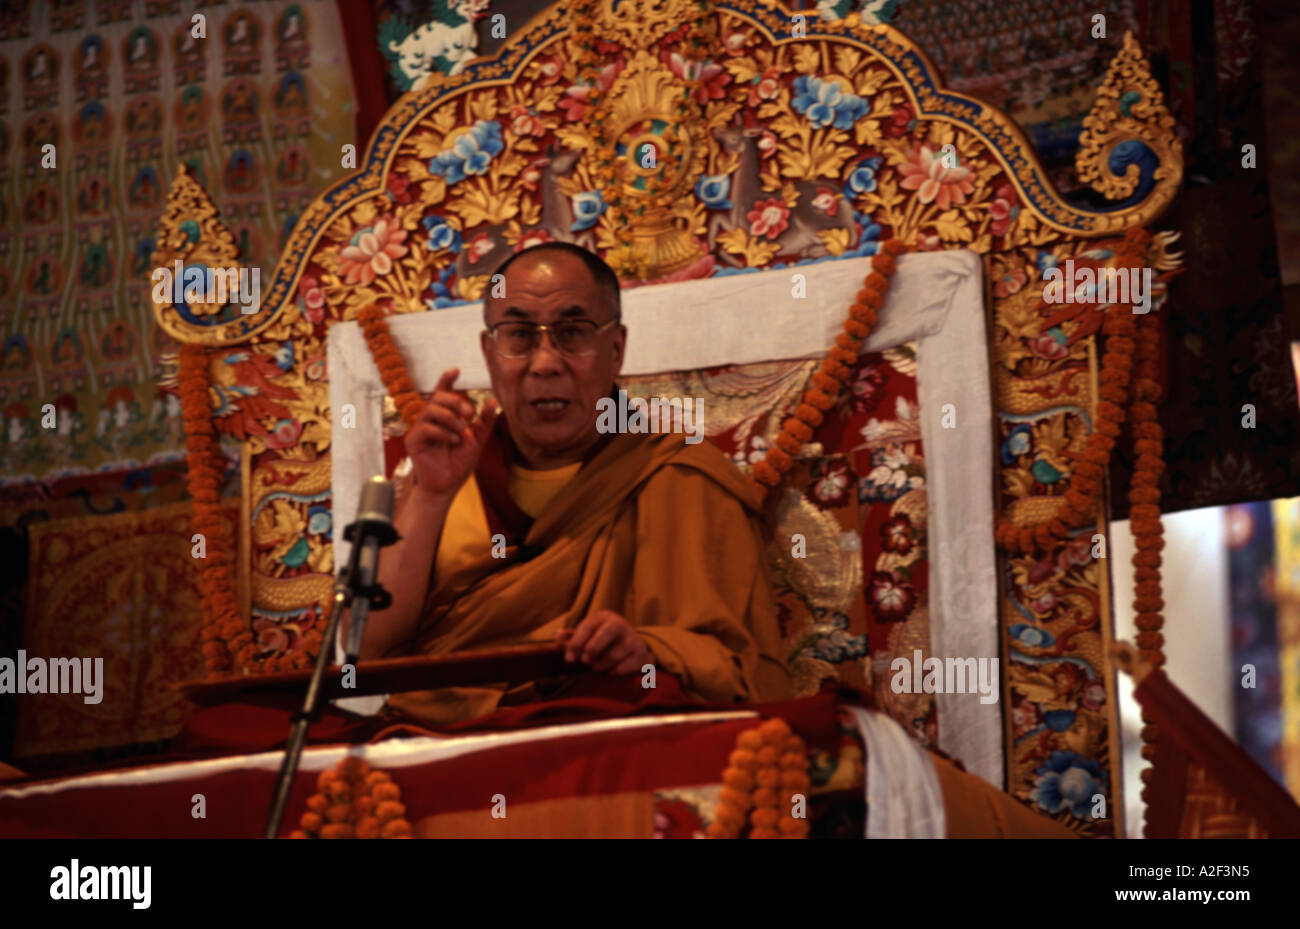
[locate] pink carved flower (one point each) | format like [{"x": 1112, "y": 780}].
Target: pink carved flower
[
  {"x": 315, "y": 369},
  {"x": 532, "y": 176},
  {"x": 734, "y": 43},
  {"x": 372, "y": 251},
  {"x": 1094, "y": 695},
  {"x": 523, "y": 122},
  {"x": 479, "y": 246},
  {"x": 1045, "y": 603},
  {"x": 928, "y": 243},
  {"x": 399, "y": 187},
  {"x": 548, "y": 70},
  {"x": 1024, "y": 717},
  {"x": 574, "y": 102},
  {"x": 769, "y": 218},
  {"x": 285, "y": 434},
  {"x": 766, "y": 86},
  {"x": 1047, "y": 346},
  {"x": 1004, "y": 209},
  {"x": 900, "y": 121},
  {"x": 312, "y": 296},
  {"x": 767, "y": 144},
  {"x": 709, "y": 78},
  {"x": 827, "y": 200},
  {"x": 892, "y": 597},
  {"x": 1010, "y": 282},
  {"x": 1077, "y": 552},
  {"x": 270, "y": 637},
  {"x": 928, "y": 174},
  {"x": 533, "y": 237}
]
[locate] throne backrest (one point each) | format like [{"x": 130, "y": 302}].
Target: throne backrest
[{"x": 740, "y": 350}]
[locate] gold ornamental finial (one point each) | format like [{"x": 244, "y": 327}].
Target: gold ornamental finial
[
  {"x": 190, "y": 232},
  {"x": 1129, "y": 108},
  {"x": 190, "y": 228}
]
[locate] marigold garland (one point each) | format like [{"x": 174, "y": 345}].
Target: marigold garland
[
  {"x": 828, "y": 381},
  {"x": 223, "y": 628},
  {"x": 354, "y": 801},
  {"x": 1144, "y": 497},
  {"x": 391, "y": 365},
  {"x": 768, "y": 768}
]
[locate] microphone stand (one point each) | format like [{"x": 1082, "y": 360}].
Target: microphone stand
[{"x": 346, "y": 589}]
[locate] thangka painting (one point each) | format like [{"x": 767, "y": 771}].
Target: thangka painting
[{"x": 254, "y": 98}]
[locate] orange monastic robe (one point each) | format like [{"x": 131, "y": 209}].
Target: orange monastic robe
[{"x": 664, "y": 533}]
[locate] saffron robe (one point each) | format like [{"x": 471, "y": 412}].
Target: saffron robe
[{"x": 666, "y": 534}]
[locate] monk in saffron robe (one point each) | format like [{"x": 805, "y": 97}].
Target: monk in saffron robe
[{"x": 630, "y": 549}]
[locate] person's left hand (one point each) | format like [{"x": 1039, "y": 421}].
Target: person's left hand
[{"x": 607, "y": 642}]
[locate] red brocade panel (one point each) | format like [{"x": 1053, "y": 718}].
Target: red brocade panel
[{"x": 848, "y": 549}]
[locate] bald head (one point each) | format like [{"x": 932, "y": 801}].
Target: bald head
[{"x": 579, "y": 261}]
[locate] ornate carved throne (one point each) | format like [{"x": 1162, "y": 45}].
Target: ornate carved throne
[{"x": 720, "y": 159}]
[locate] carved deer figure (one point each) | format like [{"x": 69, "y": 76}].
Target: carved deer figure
[
  {"x": 809, "y": 216},
  {"x": 557, "y": 217}
]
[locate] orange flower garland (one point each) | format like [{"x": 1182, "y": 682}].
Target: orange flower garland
[
  {"x": 1144, "y": 498},
  {"x": 354, "y": 801},
  {"x": 829, "y": 380},
  {"x": 392, "y": 368},
  {"x": 223, "y": 628},
  {"x": 765, "y": 772}
]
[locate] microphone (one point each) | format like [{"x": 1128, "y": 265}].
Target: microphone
[{"x": 372, "y": 531}]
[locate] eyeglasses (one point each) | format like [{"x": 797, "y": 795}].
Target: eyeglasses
[{"x": 573, "y": 337}]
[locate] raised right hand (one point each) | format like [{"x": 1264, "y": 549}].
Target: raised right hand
[{"x": 446, "y": 441}]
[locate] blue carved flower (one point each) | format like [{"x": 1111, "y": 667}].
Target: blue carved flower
[
  {"x": 1015, "y": 444},
  {"x": 1058, "y": 720},
  {"x": 714, "y": 191},
  {"x": 587, "y": 207},
  {"x": 1032, "y": 636},
  {"x": 441, "y": 235},
  {"x": 1045, "y": 260},
  {"x": 319, "y": 520},
  {"x": 862, "y": 179},
  {"x": 825, "y": 104},
  {"x": 284, "y": 356},
  {"x": 1068, "y": 782},
  {"x": 471, "y": 153},
  {"x": 870, "y": 243}
]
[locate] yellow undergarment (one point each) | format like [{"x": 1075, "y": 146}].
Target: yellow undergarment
[{"x": 465, "y": 535}]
